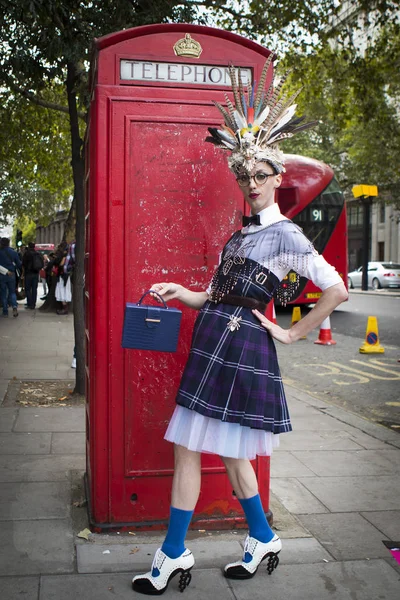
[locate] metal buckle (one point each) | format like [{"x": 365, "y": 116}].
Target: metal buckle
[{"x": 261, "y": 278}]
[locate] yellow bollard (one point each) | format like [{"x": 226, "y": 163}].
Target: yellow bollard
[
  {"x": 296, "y": 317},
  {"x": 371, "y": 344}
]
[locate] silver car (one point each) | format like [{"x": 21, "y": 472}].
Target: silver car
[{"x": 380, "y": 275}]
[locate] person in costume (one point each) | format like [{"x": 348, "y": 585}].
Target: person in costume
[{"x": 231, "y": 400}]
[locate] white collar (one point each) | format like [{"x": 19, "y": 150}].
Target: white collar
[{"x": 268, "y": 216}]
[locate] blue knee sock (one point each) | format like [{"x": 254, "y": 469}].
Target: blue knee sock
[
  {"x": 174, "y": 543},
  {"x": 256, "y": 519}
]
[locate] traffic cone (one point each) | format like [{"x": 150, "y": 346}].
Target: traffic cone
[
  {"x": 274, "y": 314},
  {"x": 296, "y": 317},
  {"x": 325, "y": 335},
  {"x": 371, "y": 344}
]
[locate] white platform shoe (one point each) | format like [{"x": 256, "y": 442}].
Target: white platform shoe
[
  {"x": 254, "y": 554},
  {"x": 163, "y": 569}
]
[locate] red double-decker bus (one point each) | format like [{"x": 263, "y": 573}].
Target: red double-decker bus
[{"x": 311, "y": 197}]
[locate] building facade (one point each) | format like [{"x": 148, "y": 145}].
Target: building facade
[{"x": 54, "y": 232}]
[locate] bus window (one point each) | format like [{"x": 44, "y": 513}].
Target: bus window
[{"x": 319, "y": 218}]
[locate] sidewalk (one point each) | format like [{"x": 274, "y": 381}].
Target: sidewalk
[{"x": 335, "y": 496}]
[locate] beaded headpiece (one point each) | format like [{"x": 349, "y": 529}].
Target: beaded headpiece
[{"x": 254, "y": 126}]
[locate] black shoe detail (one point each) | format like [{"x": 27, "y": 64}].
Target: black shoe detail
[
  {"x": 184, "y": 580},
  {"x": 273, "y": 562},
  {"x": 239, "y": 572},
  {"x": 144, "y": 586}
]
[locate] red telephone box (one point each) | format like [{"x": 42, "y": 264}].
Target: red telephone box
[{"x": 161, "y": 203}]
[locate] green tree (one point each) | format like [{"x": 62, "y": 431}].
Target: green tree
[
  {"x": 35, "y": 176},
  {"x": 356, "y": 98}
]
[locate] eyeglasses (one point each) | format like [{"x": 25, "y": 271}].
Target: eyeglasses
[{"x": 260, "y": 178}]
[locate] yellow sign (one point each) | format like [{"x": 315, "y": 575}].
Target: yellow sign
[
  {"x": 364, "y": 190},
  {"x": 314, "y": 295}
]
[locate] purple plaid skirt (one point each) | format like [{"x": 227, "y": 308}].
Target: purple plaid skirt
[{"x": 234, "y": 376}]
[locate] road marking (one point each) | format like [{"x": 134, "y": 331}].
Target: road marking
[
  {"x": 371, "y": 375},
  {"x": 334, "y": 370},
  {"x": 392, "y": 403},
  {"x": 359, "y": 362}
]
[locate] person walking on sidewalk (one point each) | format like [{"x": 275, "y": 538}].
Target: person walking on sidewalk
[
  {"x": 32, "y": 261},
  {"x": 231, "y": 401},
  {"x": 63, "y": 291},
  {"x": 10, "y": 261}
]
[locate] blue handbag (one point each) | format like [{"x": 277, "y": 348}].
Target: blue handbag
[{"x": 150, "y": 327}]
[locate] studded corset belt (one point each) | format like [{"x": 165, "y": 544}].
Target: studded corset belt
[{"x": 243, "y": 301}]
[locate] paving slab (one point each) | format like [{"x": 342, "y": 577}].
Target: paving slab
[
  {"x": 346, "y": 494},
  {"x": 138, "y": 557},
  {"x": 7, "y": 419},
  {"x": 285, "y": 464},
  {"x": 68, "y": 443},
  {"x": 316, "y": 422},
  {"x": 365, "y": 440},
  {"x": 303, "y": 551},
  {"x": 353, "y": 580},
  {"x": 315, "y": 440},
  {"x": 19, "y": 588},
  {"x": 345, "y": 463},
  {"x": 205, "y": 584},
  {"x": 37, "y": 500},
  {"x": 386, "y": 521},
  {"x": 70, "y": 419},
  {"x": 3, "y": 388},
  {"x": 296, "y": 498},
  {"x": 285, "y": 524},
  {"x": 34, "y": 547},
  {"x": 28, "y": 374},
  {"x": 374, "y": 429},
  {"x": 39, "y": 468},
  {"x": 25, "y": 443},
  {"x": 346, "y": 536}
]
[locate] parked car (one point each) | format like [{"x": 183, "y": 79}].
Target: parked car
[{"x": 380, "y": 275}]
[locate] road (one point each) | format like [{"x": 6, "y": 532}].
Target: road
[{"x": 365, "y": 384}]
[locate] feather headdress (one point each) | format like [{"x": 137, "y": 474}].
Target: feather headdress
[{"x": 254, "y": 126}]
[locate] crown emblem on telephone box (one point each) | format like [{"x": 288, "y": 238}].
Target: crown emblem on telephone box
[{"x": 187, "y": 46}]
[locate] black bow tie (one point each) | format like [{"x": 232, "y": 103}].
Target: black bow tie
[{"x": 253, "y": 220}]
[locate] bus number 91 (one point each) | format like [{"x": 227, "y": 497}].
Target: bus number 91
[{"x": 317, "y": 215}]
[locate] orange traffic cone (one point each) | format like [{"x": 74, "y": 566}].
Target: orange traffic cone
[{"x": 325, "y": 335}]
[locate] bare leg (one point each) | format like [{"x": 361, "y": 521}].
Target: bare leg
[
  {"x": 242, "y": 477},
  {"x": 261, "y": 543},
  {"x": 187, "y": 477}
]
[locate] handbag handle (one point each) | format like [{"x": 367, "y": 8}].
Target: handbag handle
[{"x": 153, "y": 292}]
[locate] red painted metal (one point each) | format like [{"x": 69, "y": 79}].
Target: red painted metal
[
  {"x": 160, "y": 206},
  {"x": 304, "y": 180}
]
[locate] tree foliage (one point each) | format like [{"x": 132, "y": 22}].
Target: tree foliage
[
  {"x": 356, "y": 98},
  {"x": 35, "y": 176}
]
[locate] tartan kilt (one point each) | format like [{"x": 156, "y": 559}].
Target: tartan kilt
[{"x": 234, "y": 376}]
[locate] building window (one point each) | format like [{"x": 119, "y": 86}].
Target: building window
[
  {"x": 355, "y": 215},
  {"x": 382, "y": 208},
  {"x": 381, "y": 251}
]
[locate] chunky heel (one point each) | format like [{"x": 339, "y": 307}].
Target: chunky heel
[
  {"x": 184, "y": 580},
  {"x": 273, "y": 562}
]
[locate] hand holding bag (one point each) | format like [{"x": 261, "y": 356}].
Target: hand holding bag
[{"x": 149, "y": 327}]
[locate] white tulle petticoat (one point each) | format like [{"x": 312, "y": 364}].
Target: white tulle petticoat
[{"x": 196, "y": 432}]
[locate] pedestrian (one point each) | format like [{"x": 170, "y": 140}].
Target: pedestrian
[
  {"x": 63, "y": 291},
  {"x": 231, "y": 401},
  {"x": 32, "y": 261},
  {"x": 43, "y": 277},
  {"x": 10, "y": 261}
]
